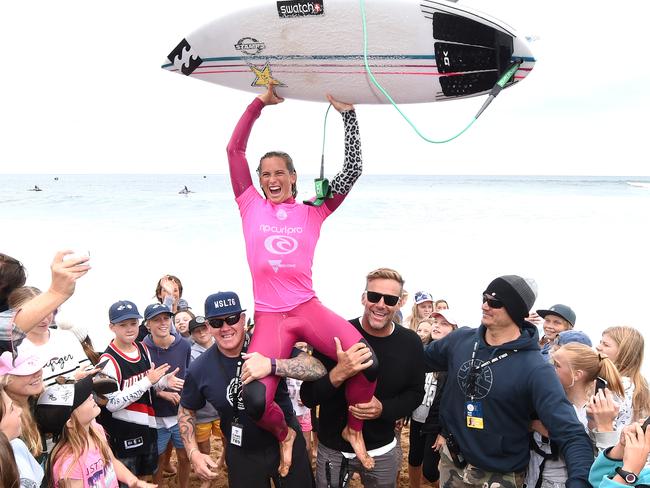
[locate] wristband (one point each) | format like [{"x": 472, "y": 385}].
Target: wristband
[{"x": 273, "y": 366}]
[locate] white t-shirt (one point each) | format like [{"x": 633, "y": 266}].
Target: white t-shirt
[
  {"x": 31, "y": 473},
  {"x": 63, "y": 355},
  {"x": 293, "y": 386}
]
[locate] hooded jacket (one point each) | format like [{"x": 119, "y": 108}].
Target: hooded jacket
[
  {"x": 508, "y": 391},
  {"x": 177, "y": 355}
]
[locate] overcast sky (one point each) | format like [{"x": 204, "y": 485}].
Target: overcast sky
[{"x": 83, "y": 92}]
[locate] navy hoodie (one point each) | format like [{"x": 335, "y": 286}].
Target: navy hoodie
[
  {"x": 510, "y": 391},
  {"x": 177, "y": 355}
]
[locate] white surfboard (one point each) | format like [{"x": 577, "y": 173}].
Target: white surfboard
[{"x": 418, "y": 50}]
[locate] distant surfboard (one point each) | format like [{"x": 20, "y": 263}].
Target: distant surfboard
[
  {"x": 419, "y": 50},
  {"x": 639, "y": 184}
]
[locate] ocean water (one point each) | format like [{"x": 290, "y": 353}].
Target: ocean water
[{"x": 584, "y": 240}]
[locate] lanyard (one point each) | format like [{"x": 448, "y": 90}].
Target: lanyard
[
  {"x": 491, "y": 361},
  {"x": 238, "y": 384},
  {"x": 476, "y": 369}
]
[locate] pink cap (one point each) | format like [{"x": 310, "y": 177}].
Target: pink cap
[{"x": 23, "y": 365}]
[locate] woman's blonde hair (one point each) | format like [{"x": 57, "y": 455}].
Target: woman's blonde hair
[
  {"x": 628, "y": 361},
  {"x": 593, "y": 364},
  {"x": 30, "y": 434},
  {"x": 414, "y": 319},
  {"x": 425, "y": 321},
  {"x": 74, "y": 442}
]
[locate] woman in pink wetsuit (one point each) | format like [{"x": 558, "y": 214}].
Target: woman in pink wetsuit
[{"x": 281, "y": 236}]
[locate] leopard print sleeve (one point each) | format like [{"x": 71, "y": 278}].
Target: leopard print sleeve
[{"x": 344, "y": 179}]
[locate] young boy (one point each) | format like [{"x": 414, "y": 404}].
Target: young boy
[
  {"x": 130, "y": 420},
  {"x": 173, "y": 350}
]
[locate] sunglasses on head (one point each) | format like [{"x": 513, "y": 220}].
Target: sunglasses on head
[
  {"x": 374, "y": 297},
  {"x": 217, "y": 323},
  {"x": 492, "y": 302}
]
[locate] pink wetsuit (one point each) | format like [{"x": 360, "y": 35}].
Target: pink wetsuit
[{"x": 280, "y": 243}]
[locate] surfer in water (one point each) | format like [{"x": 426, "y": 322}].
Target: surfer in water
[{"x": 281, "y": 235}]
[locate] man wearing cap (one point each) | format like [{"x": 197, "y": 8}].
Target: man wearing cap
[
  {"x": 129, "y": 417},
  {"x": 557, "y": 319},
  {"x": 252, "y": 453},
  {"x": 497, "y": 381},
  {"x": 207, "y": 418},
  {"x": 169, "y": 348}
]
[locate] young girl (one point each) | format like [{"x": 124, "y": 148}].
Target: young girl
[
  {"x": 30, "y": 472},
  {"x": 424, "y": 331},
  {"x": 23, "y": 384},
  {"x": 424, "y": 436},
  {"x": 577, "y": 367},
  {"x": 82, "y": 457},
  {"x": 422, "y": 309},
  {"x": 60, "y": 349},
  {"x": 624, "y": 346}
]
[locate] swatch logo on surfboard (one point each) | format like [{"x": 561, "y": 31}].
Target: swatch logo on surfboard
[{"x": 300, "y": 8}]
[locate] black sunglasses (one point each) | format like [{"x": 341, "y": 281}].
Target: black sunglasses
[
  {"x": 216, "y": 323},
  {"x": 492, "y": 302},
  {"x": 374, "y": 297}
]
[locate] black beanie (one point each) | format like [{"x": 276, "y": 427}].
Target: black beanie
[{"x": 517, "y": 294}]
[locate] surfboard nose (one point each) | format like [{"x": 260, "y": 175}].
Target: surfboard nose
[{"x": 470, "y": 54}]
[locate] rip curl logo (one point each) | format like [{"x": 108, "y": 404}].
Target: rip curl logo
[
  {"x": 300, "y": 8},
  {"x": 280, "y": 244},
  {"x": 473, "y": 380},
  {"x": 280, "y": 230},
  {"x": 232, "y": 391},
  {"x": 281, "y": 214}
]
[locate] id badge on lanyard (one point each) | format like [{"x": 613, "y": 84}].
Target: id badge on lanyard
[
  {"x": 236, "y": 434},
  {"x": 474, "y": 414}
]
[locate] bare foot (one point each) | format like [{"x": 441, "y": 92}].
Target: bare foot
[
  {"x": 286, "y": 448},
  {"x": 355, "y": 439}
]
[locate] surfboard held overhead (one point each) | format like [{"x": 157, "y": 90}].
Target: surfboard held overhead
[{"x": 418, "y": 50}]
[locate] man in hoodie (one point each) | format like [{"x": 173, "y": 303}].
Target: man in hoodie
[
  {"x": 167, "y": 348},
  {"x": 497, "y": 382}
]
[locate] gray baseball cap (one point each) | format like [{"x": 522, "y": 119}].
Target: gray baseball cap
[{"x": 563, "y": 311}]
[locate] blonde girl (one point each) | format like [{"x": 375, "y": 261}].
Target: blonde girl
[
  {"x": 624, "y": 346},
  {"x": 577, "y": 367},
  {"x": 422, "y": 309},
  {"x": 82, "y": 457}
]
